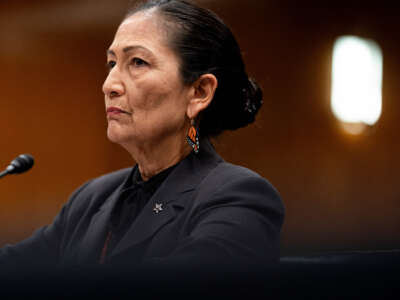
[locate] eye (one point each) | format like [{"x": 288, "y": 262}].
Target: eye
[
  {"x": 110, "y": 64},
  {"x": 138, "y": 62}
]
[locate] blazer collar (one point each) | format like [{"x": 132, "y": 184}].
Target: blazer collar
[{"x": 170, "y": 195}]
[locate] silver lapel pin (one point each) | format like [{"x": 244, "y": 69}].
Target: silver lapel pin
[{"x": 157, "y": 208}]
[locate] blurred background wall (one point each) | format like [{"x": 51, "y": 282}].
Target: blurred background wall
[{"x": 341, "y": 191}]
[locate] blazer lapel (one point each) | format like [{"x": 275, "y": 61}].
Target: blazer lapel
[
  {"x": 94, "y": 239},
  {"x": 170, "y": 195}
]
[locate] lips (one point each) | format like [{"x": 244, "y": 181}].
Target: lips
[{"x": 115, "y": 111}]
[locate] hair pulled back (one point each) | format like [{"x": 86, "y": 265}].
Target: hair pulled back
[{"x": 204, "y": 44}]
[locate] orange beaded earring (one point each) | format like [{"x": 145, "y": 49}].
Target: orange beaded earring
[{"x": 193, "y": 137}]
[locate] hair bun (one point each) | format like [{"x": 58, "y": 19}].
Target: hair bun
[
  {"x": 252, "y": 100},
  {"x": 248, "y": 103}
]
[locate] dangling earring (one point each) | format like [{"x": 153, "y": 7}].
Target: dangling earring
[{"x": 193, "y": 137}]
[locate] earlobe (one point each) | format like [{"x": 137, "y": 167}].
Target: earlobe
[{"x": 202, "y": 94}]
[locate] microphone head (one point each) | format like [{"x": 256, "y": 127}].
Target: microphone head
[{"x": 21, "y": 164}]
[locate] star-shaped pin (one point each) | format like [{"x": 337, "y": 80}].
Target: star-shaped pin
[{"x": 157, "y": 208}]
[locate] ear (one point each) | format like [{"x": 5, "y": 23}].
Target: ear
[{"x": 202, "y": 93}]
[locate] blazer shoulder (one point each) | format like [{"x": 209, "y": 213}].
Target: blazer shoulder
[
  {"x": 237, "y": 185},
  {"x": 226, "y": 174},
  {"x": 236, "y": 170},
  {"x": 108, "y": 181},
  {"x": 232, "y": 193},
  {"x": 97, "y": 189}
]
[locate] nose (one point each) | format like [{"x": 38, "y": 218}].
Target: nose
[{"x": 113, "y": 85}]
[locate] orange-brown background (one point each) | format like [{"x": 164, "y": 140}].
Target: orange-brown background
[{"x": 341, "y": 192}]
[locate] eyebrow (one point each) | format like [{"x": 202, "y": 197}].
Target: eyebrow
[{"x": 127, "y": 49}]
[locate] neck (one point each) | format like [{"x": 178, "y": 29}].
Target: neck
[{"x": 154, "y": 158}]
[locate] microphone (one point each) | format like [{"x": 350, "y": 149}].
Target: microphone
[{"x": 19, "y": 165}]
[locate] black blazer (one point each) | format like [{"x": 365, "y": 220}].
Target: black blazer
[{"x": 212, "y": 211}]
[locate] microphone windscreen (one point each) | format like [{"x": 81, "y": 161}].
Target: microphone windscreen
[{"x": 22, "y": 163}]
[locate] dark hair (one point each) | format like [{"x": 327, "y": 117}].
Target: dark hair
[{"x": 204, "y": 45}]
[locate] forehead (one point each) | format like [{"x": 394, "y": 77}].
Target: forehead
[{"x": 144, "y": 29}]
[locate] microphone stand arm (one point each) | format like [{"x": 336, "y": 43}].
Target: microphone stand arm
[
  {"x": 4, "y": 173},
  {"x": 9, "y": 170}
]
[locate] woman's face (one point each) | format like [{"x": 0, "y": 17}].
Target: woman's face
[{"x": 145, "y": 98}]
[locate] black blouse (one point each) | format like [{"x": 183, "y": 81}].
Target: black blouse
[{"x": 133, "y": 198}]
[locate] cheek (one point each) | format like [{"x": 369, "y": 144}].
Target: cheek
[
  {"x": 144, "y": 95},
  {"x": 155, "y": 96},
  {"x": 158, "y": 104}
]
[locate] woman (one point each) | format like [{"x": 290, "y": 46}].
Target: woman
[{"x": 176, "y": 78}]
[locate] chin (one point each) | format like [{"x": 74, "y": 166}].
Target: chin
[
  {"x": 120, "y": 135},
  {"x": 114, "y": 134}
]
